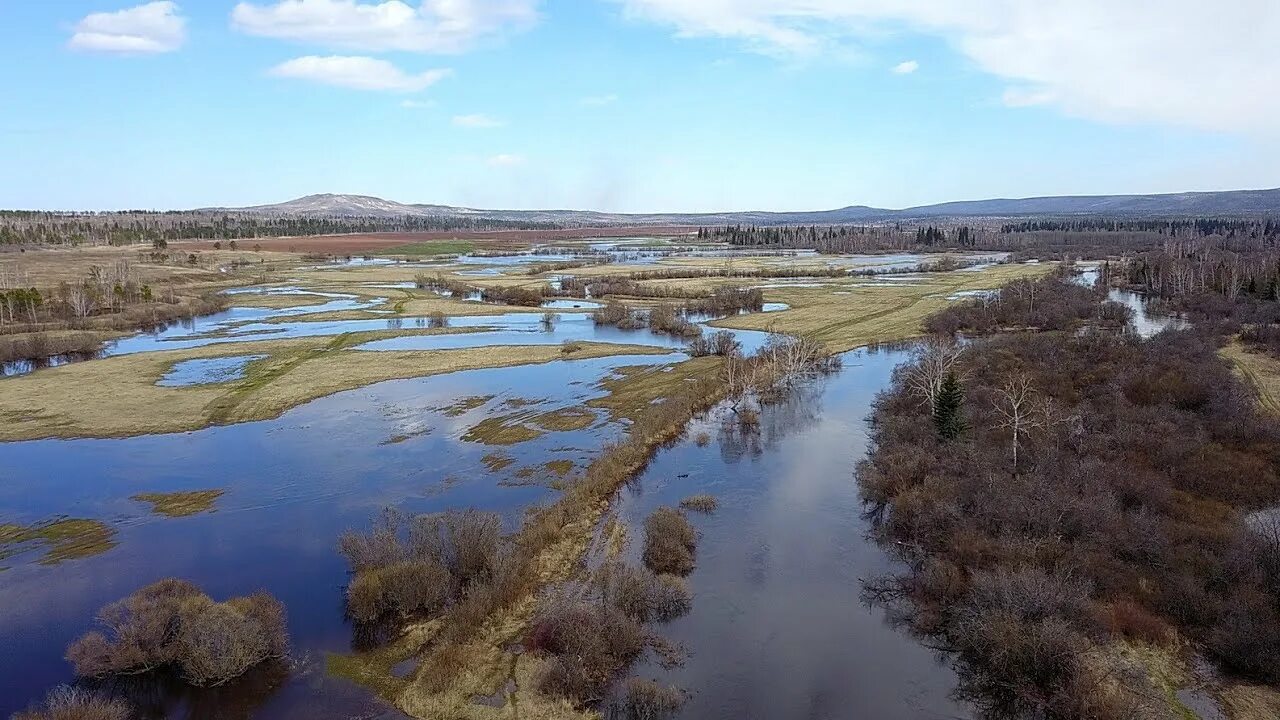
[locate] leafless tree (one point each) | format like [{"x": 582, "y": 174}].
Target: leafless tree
[
  {"x": 937, "y": 358},
  {"x": 1022, "y": 410}
]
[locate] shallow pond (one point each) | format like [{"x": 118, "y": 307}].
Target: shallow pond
[{"x": 201, "y": 371}]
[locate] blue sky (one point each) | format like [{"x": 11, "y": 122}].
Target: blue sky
[{"x": 631, "y": 105}]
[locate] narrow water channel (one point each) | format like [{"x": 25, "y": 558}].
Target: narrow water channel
[{"x": 777, "y": 629}]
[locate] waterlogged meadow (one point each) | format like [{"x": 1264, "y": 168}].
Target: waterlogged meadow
[{"x": 330, "y": 392}]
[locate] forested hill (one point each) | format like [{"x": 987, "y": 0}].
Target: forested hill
[{"x": 1226, "y": 203}]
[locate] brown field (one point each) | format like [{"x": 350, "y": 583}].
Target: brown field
[{"x": 370, "y": 242}]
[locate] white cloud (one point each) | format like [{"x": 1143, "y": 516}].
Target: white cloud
[
  {"x": 476, "y": 121},
  {"x": 1182, "y": 62},
  {"x": 906, "y": 67},
  {"x": 357, "y": 73},
  {"x": 154, "y": 27},
  {"x": 436, "y": 26},
  {"x": 417, "y": 104},
  {"x": 598, "y": 100},
  {"x": 505, "y": 160}
]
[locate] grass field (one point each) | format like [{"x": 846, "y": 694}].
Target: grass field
[
  {"x": 1260, "y": 371},
  {"x": 850, "y": 313}
]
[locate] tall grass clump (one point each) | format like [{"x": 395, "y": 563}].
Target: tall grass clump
[
  {"x": 71, "y": 703},
  {"x": 669, "y": 542}
]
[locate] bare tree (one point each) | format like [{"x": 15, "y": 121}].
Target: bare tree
[
  {"x": 1018, "y": 403},
  {"x": 934, "y": 361}
]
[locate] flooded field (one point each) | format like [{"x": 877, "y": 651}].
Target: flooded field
[{"x": 776, "y": 630}]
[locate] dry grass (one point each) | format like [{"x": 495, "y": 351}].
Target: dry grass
[
  {"x": 1260, "y": 371},
  {"x": 633, "y": 389},
  {"x": 871, "y": 314},
  {"x": 565, "y": 419},
  {"x": 61, "y": 540},
  {"x": 465, "y": 405},
  {"x": 180, "y": 504},
  {"x": 501, "y": 430},
  {"x": 703, "y": 503},
  {"x": 497, "y": 461},
  {"x": 118, "y": 397}
]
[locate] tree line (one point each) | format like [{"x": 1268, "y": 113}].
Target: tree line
[{"x": 133, "y": 227}]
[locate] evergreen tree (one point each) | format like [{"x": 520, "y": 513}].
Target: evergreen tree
[{"x": 948, "y": 410}]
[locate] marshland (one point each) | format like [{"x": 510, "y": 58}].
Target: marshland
[{"x": 420, "y": 472}]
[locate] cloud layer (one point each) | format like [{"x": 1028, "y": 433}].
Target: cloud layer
[
  {"x": 476, "y": 121},
  {"x": 434, "y": 26},
  {"x": 357, "y": 73},
  {"x": 154, "y": 27},
  {"x": 1183, "y": 62}
]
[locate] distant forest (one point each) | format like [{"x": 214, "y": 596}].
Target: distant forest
[
  {"x": 1082, "y": 237},
  {"x": 131, "y": 227}
]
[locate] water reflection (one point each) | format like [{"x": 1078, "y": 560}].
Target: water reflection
[
  {"x": 777, "y": 629},
  {"x": 291, "y": 486}
]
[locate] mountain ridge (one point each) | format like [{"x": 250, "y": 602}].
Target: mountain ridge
[{"x": 1227, "y": 202}]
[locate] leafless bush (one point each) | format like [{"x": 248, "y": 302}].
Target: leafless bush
[
  {"x": 589, "y": 645},
  {"x": 71, "y": 703},
  {"x": 703, "y": 503},
  {"x": 642, "y": 595},
  {"x": 722, "y": 343},
  {"x": 418, "y": 566},
  {"x": 438, "y": 319},
  {"x": 669, "y": 542},
  {"x": 172, "y": 624},
  {"x": 645, "y": 700}
]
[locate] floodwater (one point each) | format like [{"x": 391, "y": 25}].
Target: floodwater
[
  {"x": 291, "y": 486},
  {"x": 201, "y": 371},
  {"x": 776, "y": 629}
]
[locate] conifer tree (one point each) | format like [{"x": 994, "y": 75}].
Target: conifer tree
[{"x": 948, "y": 411}]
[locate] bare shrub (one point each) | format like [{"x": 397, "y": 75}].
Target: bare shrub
[
  {"x": 703, "y": 503},
  {"x": 702, "y": 439},
  {"x": 71, "y": 703},
  {"x": 438, "y": 319},
  {"x": 419, "y": 566},
  {"x": 643, "y": 699},
  {"x": 669, "y": 542},
  {"x": 642, "y": 595},
  {"x": 721, "y": 342},
  {"x": 589, "y": 646},
  {"x": 172, "y": 624}
]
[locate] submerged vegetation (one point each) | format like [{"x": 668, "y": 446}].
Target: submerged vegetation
[
  {"x": 180, "y": 504},
  {"x": 61, "y": 540}
]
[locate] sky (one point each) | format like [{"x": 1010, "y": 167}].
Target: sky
[{"x": 632, "y": 105}]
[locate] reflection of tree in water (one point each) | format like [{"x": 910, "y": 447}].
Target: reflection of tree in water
[
  {"x": 166, "y": 696},
  {"x": 795, "y": 411}
]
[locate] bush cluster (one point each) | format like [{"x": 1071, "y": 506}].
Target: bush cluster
[
  {"x": 172, "y": 625},
  {"x": 669, "y": 542},
  {"x": 1123, "y": 469}
]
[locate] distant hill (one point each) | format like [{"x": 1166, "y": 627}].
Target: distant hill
[{"x": 1235, "y": 202}]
